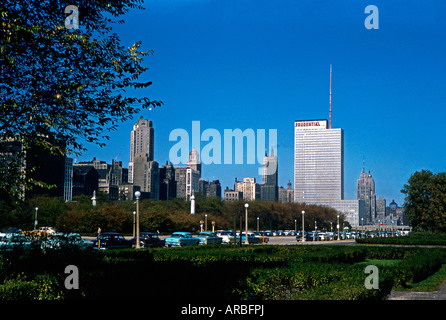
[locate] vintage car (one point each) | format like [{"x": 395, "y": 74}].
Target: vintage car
[
  {"x": 47, "y": 230},
  {"x": 251, "y": 238},
  {"x": 148, "y": 240},
  {"x": 111, "y": 240},
  {"x": 226, "y": 235},
  {"x": 17, "y": 242},
  {"x": 260, "y": 235},
  {"x": 62, "y": 240},
  {"x": 208, "y": 237},
  {"x": 181, "y": 239}
]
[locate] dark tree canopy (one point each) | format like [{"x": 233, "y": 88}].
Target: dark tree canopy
[
  {"x": 425, "y": 201},
  {"x": 61, "y": 88},
  {"x": 68, "y": 84}
]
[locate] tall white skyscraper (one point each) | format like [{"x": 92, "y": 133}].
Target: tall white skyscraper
[
  {"x": 141, "y": 141},
  {"x": 318, "y": 163}
]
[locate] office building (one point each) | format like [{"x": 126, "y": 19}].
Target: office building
[
  {"x": 249, "y": 188},
  {"x": 187, "y": 178},
  {"x": 85, "y": 180},
  {"x": 209, "y": 189},
  {"x": 167, "y": 182},
  {"x": 318, "y": 162},
  {"x": 366, "y": 192},
  {"x": 319, "y": 168},
  {"x": 269, "y": 190},
  {"x": 232, "y": 195},
  {"x": 146, "y": 175},
  {"x": 194, "y": 161},
  {"x": 25, "y": 160},
  {"x": 141, "y": 141},
  {"x": 286, "y": 195}
]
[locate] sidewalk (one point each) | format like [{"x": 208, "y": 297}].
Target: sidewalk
[{"x": 440, "y": 294}]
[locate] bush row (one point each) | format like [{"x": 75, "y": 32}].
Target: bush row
[
  {"x": 252, "y": 272},
  {"x": 425, "y": 238}
]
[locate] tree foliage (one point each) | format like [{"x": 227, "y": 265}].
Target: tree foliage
[
  {"x": 425, "y": 201},
  {"x": 164, "y": 216},
  {"x": 70, "y": 85}
]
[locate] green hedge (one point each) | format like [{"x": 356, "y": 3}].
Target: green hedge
[
  {"x": 417, "y": 238},
  {"x": 220, "y": 272}
]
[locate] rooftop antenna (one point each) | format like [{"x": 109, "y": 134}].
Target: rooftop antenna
[{"x": 330, "y": 94}]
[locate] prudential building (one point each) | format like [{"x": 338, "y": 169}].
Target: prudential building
[{"x": 319, "y": 167}]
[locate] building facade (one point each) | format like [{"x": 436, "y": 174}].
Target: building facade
[
  {"x": 249, "y": 188},
  {"x": 319, "y": 169},
  {"x": 286, "y": 195},
  {"x": 318, "y": 162},
  {"x": 146, "y": 175},
  {"x": 366, "y": 192},
  {"x": 141, "y": 141},
  {"x": 232, "y": 195},
  {"x": 269, "y": 190}
]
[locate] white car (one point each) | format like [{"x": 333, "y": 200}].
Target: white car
[
  {"x": 226, "y": 235},
  {"x": 48, "y": 230}
]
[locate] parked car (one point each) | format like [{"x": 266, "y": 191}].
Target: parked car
[
  {"x": 263, "y": 238},
  {"x": 330, "y": 236},
  {"x": 70, "y": 240},
  {"x": 12, "y": 230},
  {"x": 181, "y": 239},
  {"x": 251, "y": 238},
  {"x": 149, "y": 240},
  {"x": 321, "y": 236},
  {"x": 111, "y": 240},
  {"x": 311, "y": 236},
  {"x": 268, "y": 233},
  {"x": 17, "y": 242},
  {"x": 226, "y": 235},
  {"x": 300, "y": 237},
  {"x": 208, "y": 237},
  {"x": 47, "y": 230}
]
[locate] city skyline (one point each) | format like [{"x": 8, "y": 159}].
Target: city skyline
[{"x": 261, "y": 65}]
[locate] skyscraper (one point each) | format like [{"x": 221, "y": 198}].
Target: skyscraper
[
  {"x": 194, "y": 161},
  {"x": 366, "y": 192},
  {"x": 146, "y": 175},
  {"x": 187, "y": 178},
  {"x": 318, "y": 162},
  {"x": 141, "y": 141},
  {"x": 319, "y": 168},
  {"x": 269, "y": 188}
]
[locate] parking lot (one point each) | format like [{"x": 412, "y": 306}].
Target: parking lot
[{"x": 282, "y": 240}]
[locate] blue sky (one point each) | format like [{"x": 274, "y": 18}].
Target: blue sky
[{"x": 263, "y": 64}]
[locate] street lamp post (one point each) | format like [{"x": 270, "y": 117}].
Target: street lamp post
[
  {"x": 303, "y": 226},
  {"x": 134, "y": 223},
  {"x": 137, "y": 196},
  {"x": 338, "y": 227},
  {"x": 205, "y": 222},
  {"x": 246, "y": 223},
  {"x": 258, "y": 226},
  {"x": 295, "y": 225},
  {"x": 362, "y": 222},
  {"x": 35, "y": 219},
  {"x": 315, "y": 230}
]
